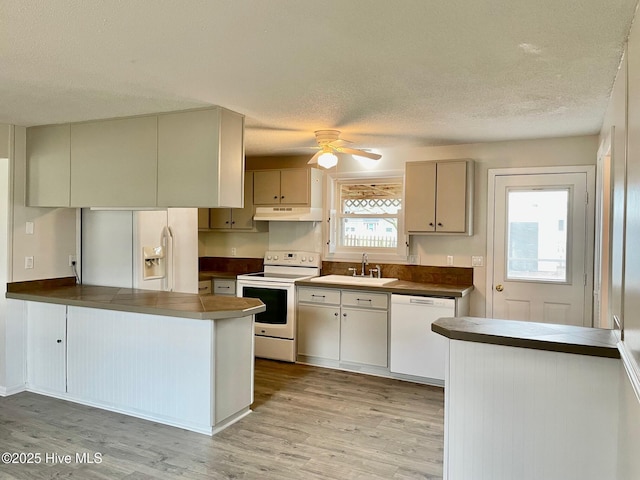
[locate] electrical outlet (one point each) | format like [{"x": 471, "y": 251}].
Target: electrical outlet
[
  {"x": 477, "y": 261},
  {"x": 72, "y": 260},
  {"x": 28, "y": 262},
  {"x": 28, "y": 228},
  {"x": 233, "y": 252},
  {"x": 449, "y": 260}
]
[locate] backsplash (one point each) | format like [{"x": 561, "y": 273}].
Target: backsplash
[
  {"x": 230, "y": 264},
  {"x": 411, "y": 273}
]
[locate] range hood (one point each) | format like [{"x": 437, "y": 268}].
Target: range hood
[{"x": 288, "y": 214}]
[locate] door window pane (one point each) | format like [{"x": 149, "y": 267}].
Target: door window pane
[{"x": 537, "y": 237}]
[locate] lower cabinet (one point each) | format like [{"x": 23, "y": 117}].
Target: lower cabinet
[
  {"x": 363, "y": 336},
  {"x": 343, "y": 327},
  {"x": 319, "y": 331},
  {"x": 46, "y": 347}
]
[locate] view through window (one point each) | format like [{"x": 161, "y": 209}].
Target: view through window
[
  {"x": 537, "y": 244},
  {"x": 368, "y": 214}
]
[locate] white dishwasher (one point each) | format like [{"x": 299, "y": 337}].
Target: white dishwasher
[{"x": 414, "y": 349}]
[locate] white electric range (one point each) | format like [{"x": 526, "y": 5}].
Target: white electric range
[{"x": 275, "y": 328}]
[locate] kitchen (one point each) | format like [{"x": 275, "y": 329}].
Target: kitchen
[{"x": 51, "y": 260}]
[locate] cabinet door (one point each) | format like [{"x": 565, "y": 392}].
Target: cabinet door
[
  {"x": 363, "y": 336},
  {"x": 294, "y": 187},
  {"x": 420, "y": 197},
  {"x": 242, "y": 218},
  {"x": 451, "y": 197},
  {"x": 114, "y": 163},
  {"x": 203, "y": 218},
  {"x": 49, "y": 166},
  {"x": 200, "y": 159},
  {"x": 46, "y": 347},
  {"x": 319, "y": 331},
  {"x": 220, "y": 218},
  {"x": 266, "y": 187}
]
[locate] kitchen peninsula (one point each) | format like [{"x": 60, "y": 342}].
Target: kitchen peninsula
[{"x": 180, "y": 359}]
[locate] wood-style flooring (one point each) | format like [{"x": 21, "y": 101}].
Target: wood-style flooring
[{"x": 307, "y": 423}]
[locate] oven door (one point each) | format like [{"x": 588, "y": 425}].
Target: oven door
[{"x": 278, "y": 320}]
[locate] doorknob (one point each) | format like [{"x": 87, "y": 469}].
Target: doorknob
[{"x": 499, "y": 287}]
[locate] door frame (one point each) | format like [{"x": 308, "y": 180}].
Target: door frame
[{"x": 589, "y": 170}]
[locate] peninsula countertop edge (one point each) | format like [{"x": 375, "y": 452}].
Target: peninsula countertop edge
[{"x": 133, "y": 300}]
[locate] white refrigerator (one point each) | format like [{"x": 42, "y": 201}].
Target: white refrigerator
[{"x": 146, "y": 249}]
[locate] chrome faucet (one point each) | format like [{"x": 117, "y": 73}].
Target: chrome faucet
[{"x": 365, "y": 262}]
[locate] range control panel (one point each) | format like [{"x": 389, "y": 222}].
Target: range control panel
[{"x": 295, "y": 258}]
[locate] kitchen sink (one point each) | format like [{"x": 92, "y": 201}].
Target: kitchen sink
[{"x": 351, "y": 280}]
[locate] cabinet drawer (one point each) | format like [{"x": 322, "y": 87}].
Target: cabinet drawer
[
  {"x": 204, "y": 287},
  {"x": 224, "y": 287},
  {"x": 364, "y": 299},
  {"x": 319, "y": 295}
]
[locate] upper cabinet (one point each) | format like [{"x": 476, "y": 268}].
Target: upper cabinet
[
  {"x": 200, "y": 158},
  {"x": 234, "y": 219},
  {"x": 114, "y": 163},
  {"x": 294, "y": 186},
  {"x": 180, "y": 159},
  {"x": 439, "y": 197},
  {"x": 49, "y": 171}
]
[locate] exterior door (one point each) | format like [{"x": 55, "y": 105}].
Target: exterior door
[{"x": 540, "y": 264}]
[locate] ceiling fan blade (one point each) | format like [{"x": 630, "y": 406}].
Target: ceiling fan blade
[
  {"x": 359, "y": 153},
  {"x": 314, "y": 159}
]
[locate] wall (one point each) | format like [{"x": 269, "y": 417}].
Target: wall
[
  {"x": 623, "y": 115},
  {"x": 433, "y": 250}
]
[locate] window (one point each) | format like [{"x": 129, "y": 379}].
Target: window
[
  {"x": 537, "y": 238},
  {"x": 367, "y": 214}
]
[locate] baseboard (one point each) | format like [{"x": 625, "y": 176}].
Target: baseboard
[{"x": 6, "y": 391}]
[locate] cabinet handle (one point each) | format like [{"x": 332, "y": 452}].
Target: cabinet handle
[
  {"x": 336, "y": 314},
  {"x": 58, "y": 341},
  {"x": 233, "y": 223},
  {"x": 431, "y": 224},
  {"x": 440, "y": 224},
  {"x": 363, "y": 300},
  {"x": 223, "y": 286},
  {"x": 344, "y": 314},
  {"x": 275, "y": 197},
  {"x": 227, "y": 221},
  {"x": 319, "y": 296},
  {"x": 202, "y": 288}
]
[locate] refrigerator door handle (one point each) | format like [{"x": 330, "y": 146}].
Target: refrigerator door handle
[{"x": 171, "y": 260}]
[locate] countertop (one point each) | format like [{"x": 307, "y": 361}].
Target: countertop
[
  {"x": 402, "y": 287},
  {"x": 186, "y": 305},
  {"x": 596, "y": 342}
]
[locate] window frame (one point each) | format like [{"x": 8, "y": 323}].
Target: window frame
[{"x": 333, "y": 251}]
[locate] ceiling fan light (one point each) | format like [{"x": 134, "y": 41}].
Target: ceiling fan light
[{"x": 327, "y": 160}]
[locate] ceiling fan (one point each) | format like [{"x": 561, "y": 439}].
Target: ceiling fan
[{"x": 329, "y": 141}]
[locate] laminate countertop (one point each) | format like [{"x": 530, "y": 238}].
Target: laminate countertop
[
  {"x": 595, "y": 342},
  {"x": 402, "y": 287},
  {"x": 211, "y": 274},
  {"x": 185, "y": 305}
]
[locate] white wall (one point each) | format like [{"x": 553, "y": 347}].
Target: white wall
[
  {"x": 247, "y": 245},
  {"x": 526, "y": 153}
]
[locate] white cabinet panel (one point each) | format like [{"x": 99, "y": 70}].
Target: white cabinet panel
[
  {"x": 319, "y": 331},
  {"x": 46, "y": 347},
  {"x": 114, "y": 163},
  {"x": 363, "y": 336},
  {"x": 201, "y": 158},
  {"x": 49, "y": 166}
]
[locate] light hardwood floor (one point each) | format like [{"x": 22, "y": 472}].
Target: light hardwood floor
[{"x": 307, "y": 423}]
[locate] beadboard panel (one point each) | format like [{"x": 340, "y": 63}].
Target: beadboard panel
[
  {"x": 515, "y": 413},
  {"x": 150, "y": 365}
]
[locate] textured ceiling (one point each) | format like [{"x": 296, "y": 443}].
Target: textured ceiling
[{"x": 383, "y": 72}]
